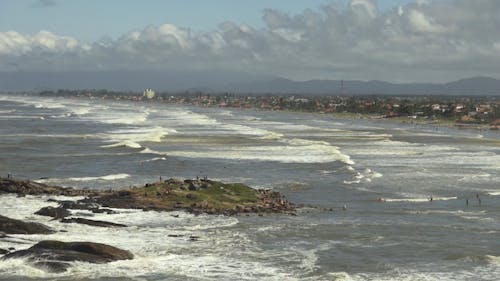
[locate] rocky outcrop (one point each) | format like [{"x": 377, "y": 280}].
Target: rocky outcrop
[
  {"x": 25, "y": 187},
  {"x": 92, "y": 222},
  {"x": 12, "y": 226},
  {"x": 198, "y": 196},
  {"x": 54, "y": 256},
  {"x": 84, "y": 204},
  {"x": 78, "y": 205},
  {"x": 195, "y": 196},
  {"x": 57, "y": 213}
]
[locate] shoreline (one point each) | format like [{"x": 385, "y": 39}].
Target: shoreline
[
  {"x": 408, "y": 120},
  {"x": 416, "y": 120}
]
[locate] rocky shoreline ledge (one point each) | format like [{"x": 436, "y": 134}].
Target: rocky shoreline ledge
[{"x": 194, "y": 196}]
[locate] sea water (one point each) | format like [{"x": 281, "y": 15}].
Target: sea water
[{"x": 384, "y": 173}]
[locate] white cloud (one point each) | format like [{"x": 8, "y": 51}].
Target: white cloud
[
  {"x": 368, "y": 7},
  {"x": 14, "y": 43},
  {"x": 428, "y": 40},
  {"x": 422, "y": 24},
  {"x": 400, "y": 11}
]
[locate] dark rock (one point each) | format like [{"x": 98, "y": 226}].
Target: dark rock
[
  {"x": 79, "y": 205},
  {"x": 54, "y": 255},
  {"x": 12, "y": 226},
  {"x": 92, "y": 222},
  {"x": 24, "y": 187},
  {"x": 125, "y": 193},
  {"x": 52, "y": 266},
  {"x": 103, "y": 210},
  {"x": 3, "y": 252},
  {"x": 192, "y": 187},
  {"x": 56, "y": 213}
]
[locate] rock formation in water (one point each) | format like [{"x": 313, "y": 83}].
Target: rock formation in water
[
  {"x": 196, "y": 196},
  {"x": 92, "y": 222},
  {"x": 57, "y": 213},
  {"x": 13, "y": 226},
  {"x": 54, "y": 256}
]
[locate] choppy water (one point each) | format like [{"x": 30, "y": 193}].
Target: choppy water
[{"x": 312, "y": 159}]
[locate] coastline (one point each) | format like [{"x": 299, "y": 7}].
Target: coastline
[
  {"x": 419, "y": 121},
  {"x": 436, "y": 119}
]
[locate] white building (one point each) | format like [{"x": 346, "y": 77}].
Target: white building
[{"x": 148, "y": 93}]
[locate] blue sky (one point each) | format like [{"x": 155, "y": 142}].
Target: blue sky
[
  {"x": 392, "y": 40},
  {"x": 91, "y": 20}
]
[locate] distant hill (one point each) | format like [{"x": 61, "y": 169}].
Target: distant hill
[
  {"x": 236, "y": 82},
  {"x": 469, "y": 86},
  {"x": 121, "y": 80}
]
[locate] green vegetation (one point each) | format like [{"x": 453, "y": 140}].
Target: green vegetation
[
  {"x": 206, "y": 194},
  {"x": 198, "y": 196}
]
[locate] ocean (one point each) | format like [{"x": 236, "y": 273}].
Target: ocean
[{"x": 384, "y": 173}]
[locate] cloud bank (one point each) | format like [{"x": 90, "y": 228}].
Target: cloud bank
[{"x": 422, "y": 41}]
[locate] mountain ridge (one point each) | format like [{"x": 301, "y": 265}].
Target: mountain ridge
[{"x": 235, "y": 82}]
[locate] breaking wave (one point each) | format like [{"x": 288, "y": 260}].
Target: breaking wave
[{"x": 83, "y": 179}]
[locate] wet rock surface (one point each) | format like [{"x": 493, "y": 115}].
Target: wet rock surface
[
  {"x": 56, "y": 213},
  {"x": 54, "y": 256},
  {"x": 13, "y": 226},
  {"x": 92, "y": 222}
]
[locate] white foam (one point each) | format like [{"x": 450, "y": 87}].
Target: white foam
[
  {"x": 98, "y": 178},
  {"x": 147, "y": 150},
  {"x": 339, "y": 276},
  {"x": 365, "y": 176},
  {"x": 272, "y": 136},
  {"x": 154, "y": 159},
  {"x": 81, "y": 110},
  {"x": 416, "y": 200},
  {"x": 126, "y": 143},
  {"x": 134, "y": 136},
  {"x": 287, "y": 152},
  {"x": 475, "y": 178},
  {"x": 493, "y": 259},
  {"x": 398, "y": 148},
  {"x": 49, "y": 105}
]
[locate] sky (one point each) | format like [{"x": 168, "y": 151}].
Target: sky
[{"x": 391, "y": 40}]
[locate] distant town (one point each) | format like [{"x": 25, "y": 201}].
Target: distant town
[{"x": 462, "y": 111}]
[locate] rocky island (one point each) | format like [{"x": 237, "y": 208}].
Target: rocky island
[{"x": 195, "y": 196}]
